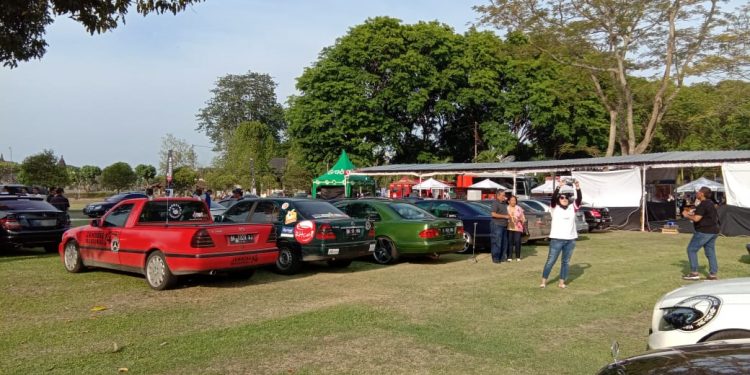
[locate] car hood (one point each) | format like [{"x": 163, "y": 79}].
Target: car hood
[
  {"x": 730, "y": 291},
  {"x": 97, "y": 204}
]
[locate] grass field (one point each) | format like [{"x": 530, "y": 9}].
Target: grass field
[{"x": 446, "y": 316}]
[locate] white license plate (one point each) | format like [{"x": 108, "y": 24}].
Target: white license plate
[
  {"x": 353, "y": 232},
  {"x": 46, "y": 223},
  {"x": 372, "y": 247},
  {"x": 235, "y": 239},
  {"x": 449, "y": 231},
  {"x": 333, "y": 251}
]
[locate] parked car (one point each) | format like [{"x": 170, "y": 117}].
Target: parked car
[
  {"x": 307, "y": 230},
  {"x": 403, "y": 229},
  {"x": 706, "y": 311},
  {"x": 470, "y": 214},
  {"x": 597, "y": 218},
  {"x": 27, "y": 221},
  {"x": 98, "y": 209},
  {"x": 730, "y": 357},
  {"x": 582, "y": 226},
  {"x": 539, "y": 223},
  {"x": 165, "y": 238},
  {"x": 216, "y": 209}
]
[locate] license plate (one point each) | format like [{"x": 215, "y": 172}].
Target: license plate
[
  {"x": 353, "y": 232},
  {"x": 372, "y": 247},
  {"x": 236, "y": 239},
  {"x": 45, "y": 223},
  {"x": 333, "y": 251},
  {"x": 449, "y": 231}
]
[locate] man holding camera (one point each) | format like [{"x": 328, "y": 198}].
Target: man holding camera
[{"x": 705, "y": 219}]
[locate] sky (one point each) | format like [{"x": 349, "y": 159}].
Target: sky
[{"x": 101, "y": 99}]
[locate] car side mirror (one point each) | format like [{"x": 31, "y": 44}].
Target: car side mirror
[{"x": 94, "y": 223}]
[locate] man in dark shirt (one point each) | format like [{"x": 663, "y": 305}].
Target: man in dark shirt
[
  {"x": 59, "y": 200},
  {"x": 705, "y": 219},
  {"x": 499, "y": 228}
]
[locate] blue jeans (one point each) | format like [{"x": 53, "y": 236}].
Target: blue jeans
[
  {"x": 708, "y": 242},
  {"x": 499, "y": 242},
  {"x": 555, "y": 247}
]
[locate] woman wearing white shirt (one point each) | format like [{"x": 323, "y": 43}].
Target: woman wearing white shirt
[{"x": 563, "y": 233}]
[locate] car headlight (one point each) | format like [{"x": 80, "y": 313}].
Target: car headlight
[
  {"x": 97, "y": 208},
  {"x": 690, "y": 314}
]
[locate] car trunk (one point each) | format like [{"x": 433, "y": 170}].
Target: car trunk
[
  {"x": 41, "y": 220},
  {"x": 345, "y": 229}
]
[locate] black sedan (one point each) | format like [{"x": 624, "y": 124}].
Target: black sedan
[
  {"x": 30, "y": 222},
  {"x": 598, "y": 218},
  {"x": 470, "y": 213},
  {"x": 100, "y": 208},
  {"x": 714, "y": 357}
]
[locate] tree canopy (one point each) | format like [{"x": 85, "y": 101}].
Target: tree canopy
[
  {"x": 42, "y": 169},
  {"x": 118, "y": 176},
  {"x": 183, "y": 153},
  {"x": 23, "y": 23}
]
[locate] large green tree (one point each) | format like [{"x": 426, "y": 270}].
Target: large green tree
[
  {"x": 23, "y": 23},
  {"x": 89, "y": 175},
  {"x": 118, "y": 176},
  {"x": 249, "y": 150},
  {"x": 145, "y": 173},
  {"x": 42, "y": 169},
  {"x": 183, "y": 154},
  {"x": 238, "y": 99},
  {"x": 615, "y": 40}
]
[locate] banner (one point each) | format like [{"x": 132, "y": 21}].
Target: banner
[
  {"x": 621, "y": 188},
  {"x": 737, "y": 183}
]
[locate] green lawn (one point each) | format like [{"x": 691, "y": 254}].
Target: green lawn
[{"x": 450, "y": 316}]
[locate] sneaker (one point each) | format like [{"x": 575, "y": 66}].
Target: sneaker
[
  {"x": 518, "y": 259},
  {"x": 712, "y": 277},
  {"x": 510, "y": 260},
  {"x": 691, "y": 276}
]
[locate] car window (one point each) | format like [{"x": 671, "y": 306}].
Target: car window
[
  {"x": 23, "y": 204},
  {"x": 238, "y": 213},
  {"x": 410, "y": 212},
  {"x": 118, "y": 217},
  {"x": 318, "y": 210},
  {"x": 265, "y": 212},
  {"x": 166, "y": 211},
  {"x": 444, "y": 210}
]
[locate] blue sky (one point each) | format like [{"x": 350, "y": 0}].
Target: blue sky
[{"x": 111, "y": 97}]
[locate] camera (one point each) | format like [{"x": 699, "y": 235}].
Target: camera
[{"x": 569, "y": 181}]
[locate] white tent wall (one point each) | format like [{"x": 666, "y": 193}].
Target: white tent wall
[
  {"x": 737, "y": 183},
  {"x": 621, "y": 188}
]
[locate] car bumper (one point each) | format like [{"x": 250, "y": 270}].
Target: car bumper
[
  {"x": 184, "y": 264},
  {"x": 329, "y": 251},
  {"x": 431, "y": 247},
  {"x": 33, "y": 238}
]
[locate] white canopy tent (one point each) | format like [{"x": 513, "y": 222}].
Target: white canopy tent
[
  {"x": 487, "y": 184},
  {"x": 431, "y": 184},
  {"x": 694, "y": 186},
  {"x": 547, "y": 188}
]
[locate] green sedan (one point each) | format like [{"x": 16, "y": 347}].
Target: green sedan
[{"x": 402, "y": 229}]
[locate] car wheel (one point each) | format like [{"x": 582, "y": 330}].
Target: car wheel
[
  {"x": 385, "y": 251},
  {"x": 289, "y": 261},
  {"x": 50, "y": 249},
  {"x": 158, "y": 275},
  {"x": 728, "y": 335},
  {"x": 339, "y": 263},
  {"x": 72, "y": 257},
  {"x": 467, "y": 244}
]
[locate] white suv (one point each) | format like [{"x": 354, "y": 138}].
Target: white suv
[{"x": 706, "y": 311}]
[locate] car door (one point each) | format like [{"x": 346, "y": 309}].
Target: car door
[{"x": 103, "y": 242}]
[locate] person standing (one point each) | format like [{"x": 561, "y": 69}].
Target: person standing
[
  {"x": 150, "y": 193},
  {"x": 208, "y": 198},
  {"x": 705, "y": 219},
  {"x": 499, "y": 227},
  {"x": 563, "y": 234},
  {"x": 515, "y": 228},
  {"x": 59, "y": 200}
]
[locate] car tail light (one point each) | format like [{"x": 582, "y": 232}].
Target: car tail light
[
  {"x": 460, "y": 231},
  {"x": 325, "y": 232},
  {"x": 10, "y": 223},
  {"x": 272, "y": 236},
  {"x": 371, "y": 232},
  {"x": 596, "y": 213},
  {"x": 429, "y": 233},
  {"x": 201, "y": 238}
]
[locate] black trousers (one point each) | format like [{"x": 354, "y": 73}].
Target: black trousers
[{"x": 514, "y": 244}]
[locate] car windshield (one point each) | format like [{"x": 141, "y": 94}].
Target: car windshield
[
  {"x": 215, "y": 206},
  {"x": 116, "y": 198},
  {"x": 483, "y": 208},
  {"x": 410, "y": 212},
  {"x": 23, "y": 204},
  {"x": 318, "y": 210}
]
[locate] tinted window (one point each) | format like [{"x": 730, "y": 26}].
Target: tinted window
[
  {"x": 444, "y": 210},
  {"x": 410, "y": 212},
  {"x": 318, "y": 210},
  {"x": 165, "y": 211},
  {"x": 238, "y": 213},
  {"x": 25, "y": 205},
  {"x": 118, "y": 216},
  {"x": 482, "y": 208},
  {"x": 266, "y": 212},
  {"x": 362, "y": 211}
]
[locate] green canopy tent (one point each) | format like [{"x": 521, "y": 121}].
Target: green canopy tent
[{"x": 338, "y": 183}]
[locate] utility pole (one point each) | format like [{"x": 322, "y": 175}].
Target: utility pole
[{"x": 252, "y": 176}]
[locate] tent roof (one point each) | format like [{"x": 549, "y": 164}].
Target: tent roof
[
  {"x": 430, "y": 184},
  {"x": 336, "y": 175},
  {"x": 487, "y": 184},
  {"x": 547, "y": 188},
  {"x": 694, "y": 186}
]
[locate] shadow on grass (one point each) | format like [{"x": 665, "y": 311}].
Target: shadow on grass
[
  {"x": 574, "y": 271},
  {"x": 745, "y": 259},
  {"x": 684, "y": 266},
  {"x": 8, "y": 255}
]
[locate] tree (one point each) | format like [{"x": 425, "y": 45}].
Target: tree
[
  {"x": 9, "y": 171},
  {"x": 184, "y": 178},
  {"x": 42, "y": 170},
  {"x": 145, "y": 173},
  {"x": 249, "y": 150},
  {"x": 89, "y": 174},
  {"x": 118, "y": 176},
  {"x": 183, "y": 154},
  {"x": 23, "y": 23},
  {"x": 615, "y": 40},
  {"x": 238, "y": 99}
]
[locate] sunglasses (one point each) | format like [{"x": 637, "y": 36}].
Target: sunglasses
[{"x": 563, "y": 197}]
